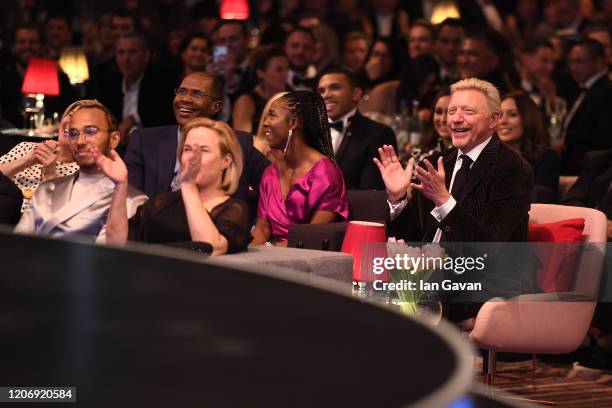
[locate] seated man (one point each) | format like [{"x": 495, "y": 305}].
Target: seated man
[
  {"x": 480, "y": 190},
  {"x": 79, "y": 203},
  {"x": 151, "y": 157},
  {"x": 355, "y": 138}
]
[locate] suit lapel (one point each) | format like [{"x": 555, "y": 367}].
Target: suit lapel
[
  {"x": 167, "y": 159},
  {"x": 61, "y": 192},
  {"x": 69, "y": 208},
  {"x": 346, "y": 139}
]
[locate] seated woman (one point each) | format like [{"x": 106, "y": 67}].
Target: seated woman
[
  {"x": 194, "y": 52},
  {"x": 202, "y": 210},
  {"x": 436, "y": 137},
  {"x": 522, "y": 128},
  {"x": 305, "y": 185},
  {"x": 270, "y": 68},
  {"x": 28, "y": 164}
]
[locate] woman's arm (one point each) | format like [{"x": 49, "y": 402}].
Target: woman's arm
[
  {"x": 242, "y": 115},
  {"x": 323, "y": 217},
  {"x": 117, "y": 221},
  {"x": 201, "y": 226},
  {"x": 261, "y": 232},
  {"x": 9, "y": 169}
]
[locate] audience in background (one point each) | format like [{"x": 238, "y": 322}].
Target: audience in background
[
  {"x": 421, "y": 38},
  {"x": 300, "y": 47},
  {"x": 194, "y": 53},
  {"x": 355, "y": 51},
  {"x": 437, "y": 136},
  {"x": 447, "y": 49},
  {"x": 521, "y": 127},
  {"x": 587, "y": 125},
  {"x": 270, "y": 68}
]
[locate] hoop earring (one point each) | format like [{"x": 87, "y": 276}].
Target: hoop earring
[{"x": 288, "y": 141}]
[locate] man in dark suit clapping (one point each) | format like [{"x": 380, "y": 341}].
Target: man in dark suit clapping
[
  {"x": 479, "y": 191},
  {"x": 355, "y": 138}
]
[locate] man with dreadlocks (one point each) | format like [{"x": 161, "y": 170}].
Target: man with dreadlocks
[{"x": 306, "y": 185}]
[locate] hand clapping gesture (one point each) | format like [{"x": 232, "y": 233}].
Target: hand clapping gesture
[
  {"x": 396, "y": 178},
  {"x": 113, "y": 167},
  {"x": 432, "y": 182}
]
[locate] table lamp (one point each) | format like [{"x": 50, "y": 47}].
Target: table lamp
[
  {"x": 234, "y": 10},
  {"x": 365, "y": 241},
  {"x": 73, "y": 62},
  {"x": 444, "y": 9},
  {"x": 41, "y": 78}
]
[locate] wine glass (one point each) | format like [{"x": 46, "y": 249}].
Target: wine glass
[{"x": 429, "y": 307}]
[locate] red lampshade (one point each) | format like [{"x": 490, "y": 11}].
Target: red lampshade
[
  {"x": 234, "y": 10},
  {"x": 356, "y": 239},
  {"x": 41, "y": 77}
]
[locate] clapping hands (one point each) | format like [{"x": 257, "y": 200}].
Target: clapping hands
[
  {"x": 396, "y": 178},
  {"x": 113, "y": 167}
]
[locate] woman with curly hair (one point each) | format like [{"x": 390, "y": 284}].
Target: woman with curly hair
[
  {"x": 522, "y": 128},
  {"x": 305, "y": 185}
]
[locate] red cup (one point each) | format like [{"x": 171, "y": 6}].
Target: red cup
[{"x": 366, "y": 241}]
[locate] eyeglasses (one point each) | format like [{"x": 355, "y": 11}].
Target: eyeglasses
[
  {"x": 88, "y": 132},
  {"x": 195, "y": 94}
]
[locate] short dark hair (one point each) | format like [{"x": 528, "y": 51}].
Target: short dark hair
[
  {"x": 451, "y": 22},
  {"x": 216, "y": 86},
  {"x": 595, "y": 48},
  {"x": 27, "y": 26},
  {"x": 60, "y": 16},
  {"x": 264, "y": 54},
  {"x": 304, "y": 30},
  {"x": 348, "y": 73},
  {"x": 426, "y": 25},
  {"x": 532, "y": 46},
  {"x": 243, "y": 28},
  {"x": 138, "y": 35},
  {"x": 187, "y": 40}
]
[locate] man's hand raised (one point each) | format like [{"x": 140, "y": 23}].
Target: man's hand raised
[{"x": 396, "y": 178}]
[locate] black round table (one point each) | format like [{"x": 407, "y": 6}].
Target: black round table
[{"x": 155, "y": 326}]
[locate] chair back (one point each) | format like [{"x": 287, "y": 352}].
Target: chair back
[{"x": 589, "y": 262}]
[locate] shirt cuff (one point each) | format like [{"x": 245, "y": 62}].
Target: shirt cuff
[
  {"x": 395, "y": 209},
  {"x": 440, "y": 212}
]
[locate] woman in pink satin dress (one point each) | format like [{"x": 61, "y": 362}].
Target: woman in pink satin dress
[{"x": 306, "y": 185}]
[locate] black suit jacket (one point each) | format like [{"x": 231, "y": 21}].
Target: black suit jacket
[
  {"x": 590, "y": 127},
  {"x": 592, "y": 189},
  {"x": 154, "y": 98},
  {"x": 151, "y": 157},
  {"x": 359, "y": 146},
  {"x": 10, "y": 201},
  {"x": 493, "y": 205}
]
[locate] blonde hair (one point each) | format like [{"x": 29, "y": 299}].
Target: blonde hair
[
  {"x": 228, "y": 144},
  {"x": 260, "y": 141},
  {"x": 488, "y": 89}
]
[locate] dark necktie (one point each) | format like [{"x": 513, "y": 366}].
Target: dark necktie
[
  {"x": 338, "y": 125},
  {"x": 462, "y": 175}
]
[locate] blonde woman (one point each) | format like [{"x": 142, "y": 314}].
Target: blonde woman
[{"x": 200, "y": 215}]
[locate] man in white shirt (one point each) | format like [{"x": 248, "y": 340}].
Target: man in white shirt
[
  {"x": 79, "y": 203},
  {"x": 355, "y": 138}
]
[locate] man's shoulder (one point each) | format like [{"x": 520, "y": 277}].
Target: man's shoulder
[
  {"x": 156, "y": 132},
  {"x": 360, "y": 120}
]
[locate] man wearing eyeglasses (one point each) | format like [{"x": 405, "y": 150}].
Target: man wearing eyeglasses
[
  {"x": 151, "y": 157},
  {"x": 79, "y": 203}
]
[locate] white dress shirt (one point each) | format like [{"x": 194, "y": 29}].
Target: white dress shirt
[
  {"x": 337, "y": 136},
  {"x": 130, "y": 100},
  {"x": 440, "y": 212}
]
